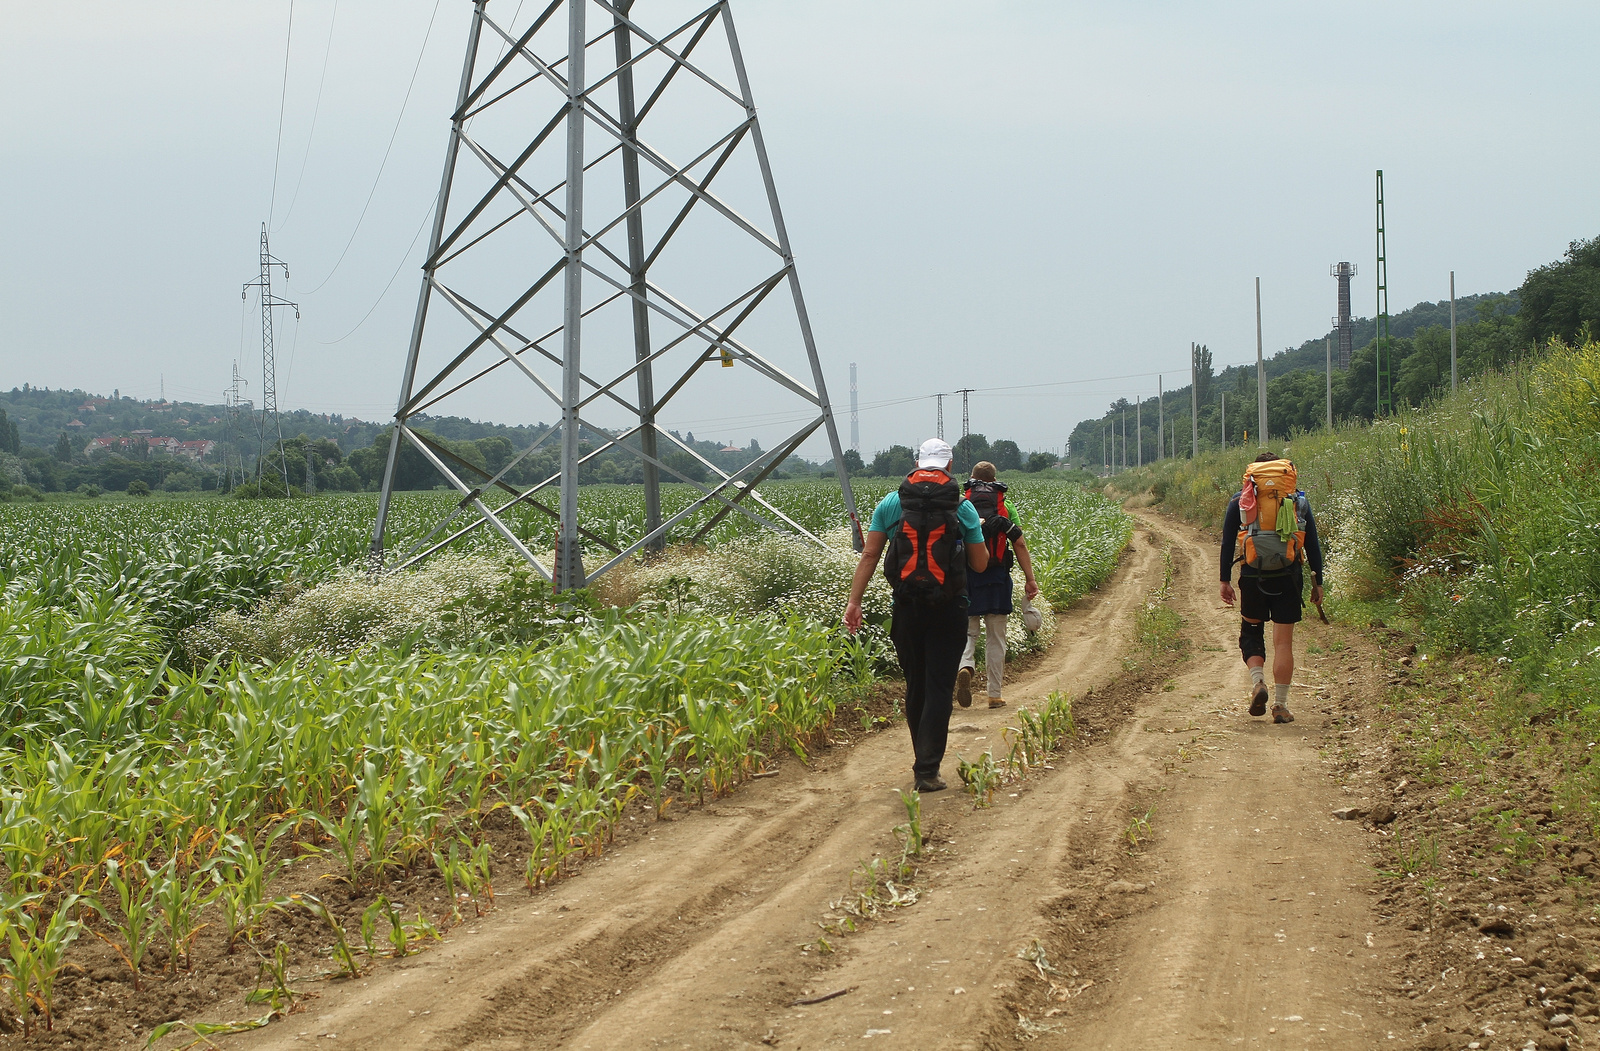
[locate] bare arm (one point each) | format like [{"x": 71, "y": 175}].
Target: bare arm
[
  {"x": 865, "y": 567},
  {"x": 1030, "y": 586},
  {"x": 977, "y": 557}
]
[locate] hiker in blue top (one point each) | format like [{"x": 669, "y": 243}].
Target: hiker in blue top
[{"x": 933, "y": 536}]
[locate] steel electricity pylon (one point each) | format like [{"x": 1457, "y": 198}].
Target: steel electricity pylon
[
  {"x": 268, "y": 423},
  {"x": 587, "y": 252}
]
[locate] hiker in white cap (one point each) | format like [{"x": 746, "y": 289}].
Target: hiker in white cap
[{"x": 933, "y": 537}]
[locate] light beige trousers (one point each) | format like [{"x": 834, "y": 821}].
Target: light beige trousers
[{"x": 994, "y": 649}]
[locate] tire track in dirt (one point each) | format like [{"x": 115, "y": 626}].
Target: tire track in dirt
[
  {"x": 690, "y": 936},
  {"x": 1253, "y": 922}
]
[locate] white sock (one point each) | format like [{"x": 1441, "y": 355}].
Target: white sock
[
  {"x": 1280, "y": 694},
  {"x": 1258, "y": 677}
]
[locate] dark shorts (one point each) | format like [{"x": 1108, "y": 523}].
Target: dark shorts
[{"x": 1274, "y": 598}]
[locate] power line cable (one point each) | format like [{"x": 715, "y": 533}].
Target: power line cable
[
  {"x": 398, "y": 267},
  {"x": 315, "y": 112},
  {"x": 384, "y": 163},
  {"x": 283, "y": 96}
]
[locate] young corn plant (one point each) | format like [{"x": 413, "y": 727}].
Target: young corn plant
[
  {"x": 981, "y": 778},
  {"x": 275, "y": 970},
  {"x": 18, "y": 969},
  {"x": 37, "y": 957},
  {"x": 910, "y": 833},
  {"x": 50, "y": 954},
  {"x": 343, "y": 958},
  {"x": 242, "y": 871},
  {"x": 138, "y": 911},
  {"x": 179, "y": 896}
]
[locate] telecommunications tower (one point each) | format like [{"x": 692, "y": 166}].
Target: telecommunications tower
[
  {"x": 606, "y": 225},
  {"x": 1343, "y": 323},
  {"x": 269, "y": 424}
]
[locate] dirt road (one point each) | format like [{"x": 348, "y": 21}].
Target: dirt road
[{"x": 1242, "y": 918}]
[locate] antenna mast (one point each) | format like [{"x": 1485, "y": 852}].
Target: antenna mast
[{"x": 268, "y": 421}]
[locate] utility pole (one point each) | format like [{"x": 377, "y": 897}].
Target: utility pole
[
  {"x": 1328, "y": 350},
  {"x": 1161, "y": 420},
  {"x": 1194, "y": 399},
  {"x": 1124, "y": 424},
  {"x": 1381, "y": 382},
  {"x": 269, "y": 366},
  {"x": 1452, "y": 332},
  {"x": 1224, "y": 419},
  {"x": 1261, "y": 374},
  {"x": 1138, "y": 430},
  {"x": 965, "y": 457},
  {"x": 855, "y": 416}
]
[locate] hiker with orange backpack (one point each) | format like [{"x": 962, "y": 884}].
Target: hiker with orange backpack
[
  {"x": 989, "y": 592},
  {"x": 933, "y": 537},
  {"x": 1270, "y": 532}
]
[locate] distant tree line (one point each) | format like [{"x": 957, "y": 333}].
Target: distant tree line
[{"x": 1558, "y": 301}]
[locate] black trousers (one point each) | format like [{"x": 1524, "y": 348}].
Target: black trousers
[{"x": 929, "y": 640}]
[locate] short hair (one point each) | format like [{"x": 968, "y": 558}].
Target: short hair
[
  {"x": 1265, "y": 457},
  {"x": 983, "y": 471}
]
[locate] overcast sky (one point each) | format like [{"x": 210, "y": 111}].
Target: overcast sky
[{"x": 979, "y": 195}]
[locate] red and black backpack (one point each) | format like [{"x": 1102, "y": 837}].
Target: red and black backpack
[
  {"x": 990, "y": 500},
  {"x": 925, "y": 562}
]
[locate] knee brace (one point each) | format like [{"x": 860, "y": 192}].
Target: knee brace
[{"x": 1252, "y": 640}]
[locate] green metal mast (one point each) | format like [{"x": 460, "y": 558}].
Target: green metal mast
[{"x": 1383, "y": 402}]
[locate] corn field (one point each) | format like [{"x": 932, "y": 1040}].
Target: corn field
[{"x": 164, "y": 768}]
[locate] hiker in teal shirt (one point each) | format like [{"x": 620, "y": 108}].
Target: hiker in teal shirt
[{"x": 927, "y": 568}]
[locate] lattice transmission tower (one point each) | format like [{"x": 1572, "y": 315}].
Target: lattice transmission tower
[
  {"x": 268, "y": 424},
  {"x": 607, "y": 224}
]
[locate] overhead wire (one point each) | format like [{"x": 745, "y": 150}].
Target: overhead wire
[
  {"x": 283, "y": 97},
  {"x": 398, "y": 267},
  {"x": 316, "y": 111},
  {"x": 387, "y": 150}
]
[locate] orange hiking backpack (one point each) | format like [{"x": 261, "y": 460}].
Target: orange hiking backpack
[
  {"x": 925, "y": 561},
  {"x": 1272, "y": 517}
]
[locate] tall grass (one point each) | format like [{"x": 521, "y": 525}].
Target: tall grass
[{"x": 1475, "y": 517}]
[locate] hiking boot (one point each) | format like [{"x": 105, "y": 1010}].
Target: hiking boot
[
  {"x": 1282, "y": 714},
  {"x": 931, "y": 784},
  {"x": 964, "y": 687},
  {"x": 1258, "y": 700},
  {"x": 995, "y": 702}
]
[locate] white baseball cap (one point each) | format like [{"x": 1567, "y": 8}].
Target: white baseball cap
[{"x": 935, "y": 452}]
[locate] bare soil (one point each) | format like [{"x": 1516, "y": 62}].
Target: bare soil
[{"x": 1177, "y": 878}]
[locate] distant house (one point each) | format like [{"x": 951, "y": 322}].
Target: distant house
[
  {"x": 730, "y": 449},
  {"x": 77, "y": 424},
  {"x": 196, "y": 450}
]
